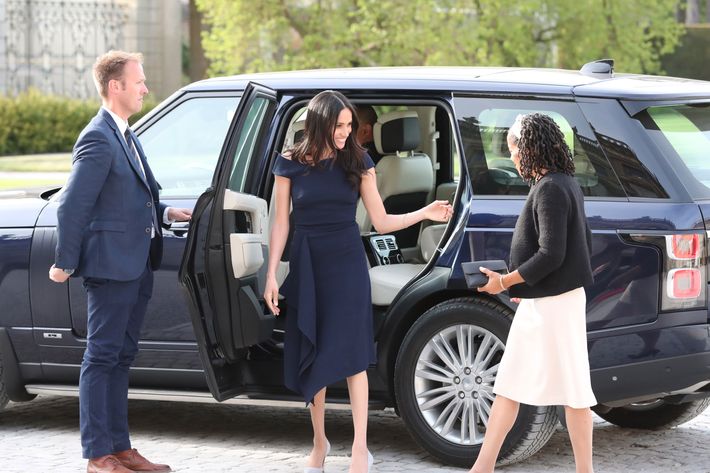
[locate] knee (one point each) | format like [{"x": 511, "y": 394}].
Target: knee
[
  {"x": 101, "y": 354},
  {"x": 127, "y": 356}
]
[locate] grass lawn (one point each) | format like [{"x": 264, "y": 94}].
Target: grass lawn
[
  {"x": 21, "y": 184},
  {"x": 60, "y": 162}
]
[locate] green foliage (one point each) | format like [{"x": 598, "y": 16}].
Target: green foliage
[
  {"x": 33, "y": 122},
  {"x": 687, "y": 60},
  {"x": 246, "y": 36}
]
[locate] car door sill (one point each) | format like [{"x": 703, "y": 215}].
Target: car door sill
[{"x": 183, "y": 396}]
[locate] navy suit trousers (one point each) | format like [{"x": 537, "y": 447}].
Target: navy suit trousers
[{"x": 115, "y": 314}]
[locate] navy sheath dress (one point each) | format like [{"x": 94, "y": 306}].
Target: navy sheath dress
[{"x": 329, "y": 319}]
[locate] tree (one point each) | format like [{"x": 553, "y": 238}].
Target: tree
[
  {"x": 198, "y": 61},
  {"x": 246, "y": 36}
]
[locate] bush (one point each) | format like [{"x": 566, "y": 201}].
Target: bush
[{"x": 33, "y": 122}]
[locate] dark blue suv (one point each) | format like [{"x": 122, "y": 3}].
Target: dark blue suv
[{"x": 639, "y": 145}]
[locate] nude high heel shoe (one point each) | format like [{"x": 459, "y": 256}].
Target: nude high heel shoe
[{"x": 312, "y": 469}]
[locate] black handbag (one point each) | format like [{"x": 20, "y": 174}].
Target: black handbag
[{"x": 475, "y": 278}]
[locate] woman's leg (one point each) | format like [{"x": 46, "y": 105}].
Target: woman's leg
[
  {"x": 579, "y": 426},
  {"x": 503, "y": 415},
  {"x": 319, "y": 439},
  {"x": 358, "y": 389}
]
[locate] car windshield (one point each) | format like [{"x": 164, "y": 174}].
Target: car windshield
[{"x": 683, "y": 131}]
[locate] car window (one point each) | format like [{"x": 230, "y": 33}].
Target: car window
[
  {"x": 684, "y": 133},
  {"x": 183, "y": 146},
  {"x": 248, "y": 139},
  {"x": 484, "y": 125}
]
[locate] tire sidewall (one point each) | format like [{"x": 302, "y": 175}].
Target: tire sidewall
[{"x": 478, "y": 312}]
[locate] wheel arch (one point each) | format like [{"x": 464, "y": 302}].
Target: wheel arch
[
  {"x": 421, "y": 296},
  {"x": 10, "y": 378}
]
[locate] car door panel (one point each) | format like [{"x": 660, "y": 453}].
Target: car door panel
[{"x": 224, "y": 251}]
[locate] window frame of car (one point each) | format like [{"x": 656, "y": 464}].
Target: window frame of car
[
  {"x": 611, "y": 117},
  {"x": 574, "y": 116},
  {"x": 665, "y": 151},
  {"x": 177, "y": 100},
  {"x": 292, "y": 102}
]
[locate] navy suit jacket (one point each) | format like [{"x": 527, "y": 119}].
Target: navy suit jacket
[{"x": 105, "y": 214}]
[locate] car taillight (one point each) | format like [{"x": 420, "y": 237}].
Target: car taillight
[
  {"x": 685, "y": 246},
  {"x": 684, "y": 283},
  {"x": 684, "y": 268},
  {"x": 683, "y": 275}
]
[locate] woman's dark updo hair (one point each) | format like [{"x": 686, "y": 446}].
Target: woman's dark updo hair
[
  {"x": 542, "y": 146},
  {"x": 317, "y": 142}
]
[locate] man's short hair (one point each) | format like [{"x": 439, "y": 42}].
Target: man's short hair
[
  {"x": 110, "y": 66},
  {"x": 366, "y": 114}
]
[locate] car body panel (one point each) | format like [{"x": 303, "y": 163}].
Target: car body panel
[{"x": 628, "y": 335}]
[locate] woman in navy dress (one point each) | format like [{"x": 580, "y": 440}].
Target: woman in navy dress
[{"x": 329, "y": 326}]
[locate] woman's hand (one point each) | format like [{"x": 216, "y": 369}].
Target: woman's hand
[
  {"x": 271, "y": 295},
  {"x": 494, "y": 284},
  {"x": 439, "y": 211}
]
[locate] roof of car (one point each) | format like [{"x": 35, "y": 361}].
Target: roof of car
[{"x": 471, "y": 79}]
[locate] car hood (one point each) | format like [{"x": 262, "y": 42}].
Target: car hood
[{"x": 23, "y": 212}]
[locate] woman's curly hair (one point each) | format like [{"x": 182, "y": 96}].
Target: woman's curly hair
[{"x": 542, "y": 146}]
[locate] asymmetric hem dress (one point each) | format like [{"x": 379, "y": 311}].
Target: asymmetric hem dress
[{"x": 329, "y": 333}]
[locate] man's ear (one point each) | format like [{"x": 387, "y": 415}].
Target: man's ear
[{"x": 115, "y": 85}]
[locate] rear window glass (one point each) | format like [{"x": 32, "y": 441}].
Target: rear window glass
[
  {"x": 683, "y": 132},
  {"x": 484, "y": 125}
]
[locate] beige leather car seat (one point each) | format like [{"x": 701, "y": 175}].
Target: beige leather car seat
[
  {"x": 405, "y": 178},
  {"x": 387, "y": 281}
]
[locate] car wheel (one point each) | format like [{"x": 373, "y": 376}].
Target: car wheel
[
  {"x": 444, "y": 377},
  {"x": 655, "y": 415}
]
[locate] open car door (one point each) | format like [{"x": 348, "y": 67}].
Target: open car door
[{"x": 225, "y": 250}]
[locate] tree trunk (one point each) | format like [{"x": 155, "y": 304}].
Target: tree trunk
[
  {"x": 692, "y": 12},
  {"x": 198, "y": 61}
]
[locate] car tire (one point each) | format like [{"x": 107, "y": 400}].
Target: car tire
[
  {"x": 445, "y": 404},
  {"x": 655, "y": 415}
]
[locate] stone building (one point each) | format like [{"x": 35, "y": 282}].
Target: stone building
[{"x": 51, "y": 45}]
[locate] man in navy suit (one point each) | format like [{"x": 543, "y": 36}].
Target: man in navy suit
[{"x": 109, "y": 232}]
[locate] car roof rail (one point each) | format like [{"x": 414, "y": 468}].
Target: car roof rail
[{"x": 599, "y": 68}]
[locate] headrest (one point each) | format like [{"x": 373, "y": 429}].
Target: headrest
[
  {"x": 299, "y": 129},
  {"x": 397, "y": 131}
]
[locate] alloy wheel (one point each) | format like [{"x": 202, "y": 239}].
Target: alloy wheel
[{"x": 454, "y": 379}]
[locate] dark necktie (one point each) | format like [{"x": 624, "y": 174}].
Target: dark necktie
[{"x": 133, "y": 150}]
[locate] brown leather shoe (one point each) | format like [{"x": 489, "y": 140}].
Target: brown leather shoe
[
  {"x": 106, "y": 464},
  {"x": 138, "y": 463}
]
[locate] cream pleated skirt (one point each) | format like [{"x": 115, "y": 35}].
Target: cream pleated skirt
[{"x": 545, "y": 362}]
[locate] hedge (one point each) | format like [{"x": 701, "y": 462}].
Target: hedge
[{"x": 33, "y": 122}]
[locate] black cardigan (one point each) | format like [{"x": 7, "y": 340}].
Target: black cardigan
[{"x": 552, "y": 241}]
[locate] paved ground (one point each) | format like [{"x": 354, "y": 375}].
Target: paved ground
[{"x": 42, "y": 436}]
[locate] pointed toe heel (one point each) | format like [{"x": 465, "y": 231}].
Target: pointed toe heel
[{"x": 313, "y": 469}]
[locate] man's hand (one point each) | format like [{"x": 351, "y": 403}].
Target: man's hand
[
  {"x": 179, "y": 215},
  {"x": 57, "y": 275}
]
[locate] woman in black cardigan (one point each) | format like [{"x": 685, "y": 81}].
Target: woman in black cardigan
[{"x": 545, "y": 360}]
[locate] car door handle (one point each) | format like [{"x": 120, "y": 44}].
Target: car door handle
[{"x": 180, "y": 228}]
